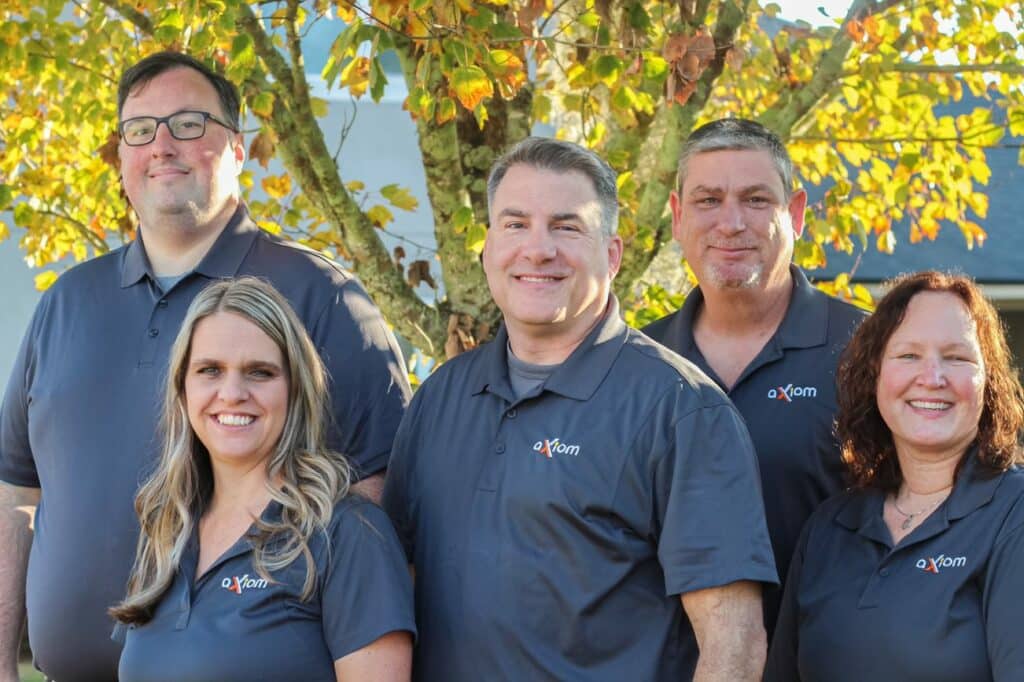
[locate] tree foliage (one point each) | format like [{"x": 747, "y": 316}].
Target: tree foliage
[{"x": 860, "y": 103}]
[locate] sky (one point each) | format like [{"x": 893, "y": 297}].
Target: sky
[{"x": 807, "y": 10}]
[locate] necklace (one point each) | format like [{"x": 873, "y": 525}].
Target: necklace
[{"x": 908, "y": 518}]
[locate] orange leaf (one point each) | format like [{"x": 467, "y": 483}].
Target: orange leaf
[
  {"x": 855, "y": 30},
  {"x": 471, "y": 86}
]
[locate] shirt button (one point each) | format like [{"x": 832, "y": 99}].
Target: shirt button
[
  {"x": 154, "y": 332},
  {"x": 162, "y": 303},
  {"x": 883, "y": 572},
  {"x": 511, "y": 414},
  {"x": 500, "y": 448}
]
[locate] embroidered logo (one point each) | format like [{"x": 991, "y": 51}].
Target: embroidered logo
[
  {"x": 554, "y": 446},
  {"x": 933, "y": 564},
  {"x": 787, "y": 393},
  {"x": 238, "y": 584}
]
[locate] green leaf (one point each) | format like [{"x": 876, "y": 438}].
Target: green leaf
[
  {"x": 399, "y": 197},
  {"x": 172, "y": 19},
  {"x": 263, "y": 104},
  {"x": 462, "y": 219},
  {"x": 6, "y": 196},
  {"x": 243, "y": 51},
  {"x": 476, "y": 235},
  {"x": 608, "y": 68},
  {"x": 378, "y": 81}
]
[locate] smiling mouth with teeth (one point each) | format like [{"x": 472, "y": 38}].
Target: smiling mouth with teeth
[
  {"x": 234, "y": 419},
  {"x": 930, "y": 405}
]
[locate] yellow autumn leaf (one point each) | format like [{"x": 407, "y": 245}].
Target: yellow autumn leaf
[
  {"x": 356, "y": 75},
  {"x": 269, "y": 226},
  {"x": 471, "y": 85},
  {"x": 379, "y": 215},
  {"x": 277, "y": 186},
  {"x": 44, "y": 280}
]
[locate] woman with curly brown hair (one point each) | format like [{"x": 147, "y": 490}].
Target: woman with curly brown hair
[{"x": 917, "y": 571}]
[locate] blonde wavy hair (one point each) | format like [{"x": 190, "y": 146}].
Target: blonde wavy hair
[{"x": 171, "y": 501}]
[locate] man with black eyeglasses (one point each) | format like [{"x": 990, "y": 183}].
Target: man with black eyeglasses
[{"x": 79, "y": 422}]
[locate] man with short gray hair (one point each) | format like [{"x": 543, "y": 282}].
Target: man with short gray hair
[
  {"x": 551, "y": 487},
  {"x": 755, "y": 325}
]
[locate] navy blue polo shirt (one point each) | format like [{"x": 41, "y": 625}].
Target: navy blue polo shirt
[
  {"x": 231, "y": 624},
  {"x": 944, "y": 605},
  {"x": 787, "y": 396},
  {"x": 79, "y": 418},
  {"x": 553, "y": 533}
]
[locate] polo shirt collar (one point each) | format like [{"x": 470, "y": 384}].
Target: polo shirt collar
[
  {"x": 222, "y": 260},
  {"x": 577, "y": 377},
  {"x": 805, "y": 324},
  {"x": 190, "y": 555},
  {"x": 974, "y": 488}
]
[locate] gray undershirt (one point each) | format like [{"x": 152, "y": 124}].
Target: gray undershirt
[
  {"x": 525, "y": 377},
  {"x": 167, "y": 283}
]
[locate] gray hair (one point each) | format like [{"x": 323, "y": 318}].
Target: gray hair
[
  {"x": 558, "y": 155},
  {"x": 727, "y": 134}
]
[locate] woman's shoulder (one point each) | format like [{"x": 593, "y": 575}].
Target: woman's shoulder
[{"x": 356, "y": 514}]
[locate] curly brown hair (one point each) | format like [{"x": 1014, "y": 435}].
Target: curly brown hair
[{"x": 867, "y": 444}]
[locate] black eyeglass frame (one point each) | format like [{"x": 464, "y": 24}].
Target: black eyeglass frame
[{"x": 166, "y": 120}]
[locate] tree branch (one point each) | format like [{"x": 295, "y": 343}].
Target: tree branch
[
  {"x": 913, "y": 67},
  {"x": 94, "y": 239},
  {"x": 796, "y": 104},
  {"x": 305, "y": 154},
  {"x": 664, "y": 142},
  {"x": 448, "y": 192},
  {"x": 128, "y": 11}
]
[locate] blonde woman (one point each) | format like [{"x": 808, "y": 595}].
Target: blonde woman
[{"x": 254, "y": 562}]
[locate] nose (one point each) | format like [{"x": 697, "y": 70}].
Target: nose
[
  {"x": 163, "y": 142},
  {"x": 233, "y": 389},
  {"x": 731, "y": 218},
  {"x": 539, "y": 246},
  {"x": 933, "y": 373}
]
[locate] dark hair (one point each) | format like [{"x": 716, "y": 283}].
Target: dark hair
[
  {"x": 866, "y": 440},
  {"x": 561, "y": 156},
  {"x": 727, "y": 134},
  {"x": 142, "y": 72}
]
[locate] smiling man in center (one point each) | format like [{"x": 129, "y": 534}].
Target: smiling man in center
[{"x": 552, "y": 487}]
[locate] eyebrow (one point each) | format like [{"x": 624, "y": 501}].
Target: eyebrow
[
  {"x": 513, "y": 213},
  {"x": 556, "y": 217},
  {"x": 749, "y": 189},
  {"x": 247, "y": 365}
]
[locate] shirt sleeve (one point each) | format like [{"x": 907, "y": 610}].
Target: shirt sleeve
[
  {"x": 708, "y": 504},
  {"x": 366, "y": 588},
  {"x": 369, "y": 385},
  {"x": 17, "y": 464},
  {"x": 783, "y": 653},
  {"x": 1003, "y": 595}
]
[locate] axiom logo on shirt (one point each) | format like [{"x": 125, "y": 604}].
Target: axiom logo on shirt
[
  {"x": 549, "y": 447},
  {"x": 933, "y": 564},
  {"x": 238, "y": 584},
  {"x": 787, "y": 393}
]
